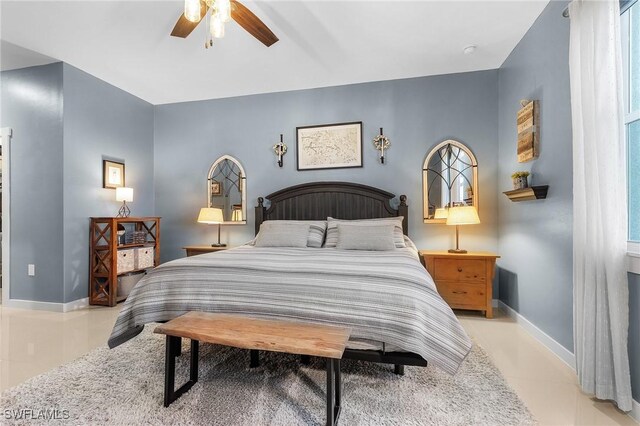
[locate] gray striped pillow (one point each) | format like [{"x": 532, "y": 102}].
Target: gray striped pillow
[
  {"x": 375, "y": 238},
  {"x": 316, "y": 230},
  {"x": 332, "y": 229},
  {"x": 282, "y": 235}
]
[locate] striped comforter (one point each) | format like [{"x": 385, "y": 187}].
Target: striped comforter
[{"x": 385, "y": 296}]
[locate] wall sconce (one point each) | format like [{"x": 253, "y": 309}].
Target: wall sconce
[
  {"x": 124, "y": 194},
  {"x": 280, "y": 149},
  {"x": 381, "y": 142}
]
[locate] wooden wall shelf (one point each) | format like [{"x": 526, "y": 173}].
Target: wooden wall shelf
[
  {"x": 103, "y": 275},
  {"x": 531, "y": 193}
]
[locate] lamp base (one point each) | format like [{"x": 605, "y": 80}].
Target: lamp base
[
  {"x": 218, "y": 245},
  {"x": 124, "y": 211},
  {"x": 458, "y": 251}
]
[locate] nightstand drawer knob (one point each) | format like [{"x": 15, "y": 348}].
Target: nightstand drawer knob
[{"x": 459, "y": 269}]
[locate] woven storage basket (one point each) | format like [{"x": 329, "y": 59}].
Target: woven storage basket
[
  {"x": 126, "y": 260},
  {"x": 127, "y": 282},
  {"x": 144, "y": 257},
  {"x": 136, "y": 237}
]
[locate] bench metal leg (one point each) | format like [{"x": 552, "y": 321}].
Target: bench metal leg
[
  {"x": 177, "y": 350},
  {"x": 170, "y": 394},
  {"x": 255, "y": 358},
  {"x": 399, "y": 369},
  {"x": 334, "y": 391}
]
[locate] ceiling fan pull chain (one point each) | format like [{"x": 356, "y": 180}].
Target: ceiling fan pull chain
[{"x": 208, "y": 42}]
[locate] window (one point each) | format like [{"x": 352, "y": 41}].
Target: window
[{"x": 630, "y": 21}]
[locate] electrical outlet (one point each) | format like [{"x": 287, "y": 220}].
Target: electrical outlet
[{"x": 31, "y": 270}]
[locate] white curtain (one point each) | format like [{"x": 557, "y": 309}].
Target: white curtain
[{"x": 601, "y": 307}]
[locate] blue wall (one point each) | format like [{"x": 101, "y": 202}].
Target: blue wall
[
  {"x": 64, "y": 122},
  {"x": 416, "y": 115},
  {"x": 100, "y": 121},
  {"x": 32, "y": 106},
  {"x": 535, "y": 237}
]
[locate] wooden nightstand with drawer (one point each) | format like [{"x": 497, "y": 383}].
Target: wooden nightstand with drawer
[
  {"x": 465, "y": 281},
  {"x": 196, "y": 250}
]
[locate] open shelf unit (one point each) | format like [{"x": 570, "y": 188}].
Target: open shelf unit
[
  {"x": 527, "y": 194},
  {"x": 103, "y": 273}
]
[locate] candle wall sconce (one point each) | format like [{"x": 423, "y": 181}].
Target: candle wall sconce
[
  {"x": 280, "y": 149},
  {"x": 381, "y": 142}
]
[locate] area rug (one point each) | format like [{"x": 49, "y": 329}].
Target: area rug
[{"x": 124, "y": 386}]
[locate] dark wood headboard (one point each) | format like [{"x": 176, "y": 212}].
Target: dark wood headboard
[{"x": 319, "y": 200}]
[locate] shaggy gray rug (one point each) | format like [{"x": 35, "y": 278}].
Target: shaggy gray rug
[{"x": 124, "y": 386}]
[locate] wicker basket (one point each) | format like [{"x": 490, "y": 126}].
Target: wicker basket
[
  {"x": 136, "y": 237},
  {"x": 126, "y": 260},
  {"x": 127, "y": 282},
  {"x": 144, "y": 258}
]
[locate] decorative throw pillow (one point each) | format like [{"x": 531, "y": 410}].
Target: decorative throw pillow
[
  {"x": 273, "y": 234},
  {"x": 398, "y": 236},
  {"x": 317, "y": 229},
  {"x": 356, "y": 237}
]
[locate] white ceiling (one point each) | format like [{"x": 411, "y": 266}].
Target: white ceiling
[
  {"x": 13, "y": 57},
  {"x": 322, "y": 43}
]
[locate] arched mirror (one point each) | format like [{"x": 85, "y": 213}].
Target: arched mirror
[
  {"x": 449, "y": 179},
  {"x": 227, "y": 189}
]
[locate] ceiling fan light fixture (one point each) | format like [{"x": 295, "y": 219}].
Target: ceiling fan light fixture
[
  {"x": 216, "y": 27},
  {"x": 192, "y": 10},
  {"x": 223, "y": 10}
]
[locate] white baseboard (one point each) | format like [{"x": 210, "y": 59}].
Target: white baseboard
[
  {"x": 75, "y": 305},
  {"x": 560, "y": 351},
  {"x": 635, "y": 411},
  {"x": 47, "y": 306}
]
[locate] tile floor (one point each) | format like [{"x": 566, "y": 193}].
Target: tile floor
[{"x": 33, "y": 342}]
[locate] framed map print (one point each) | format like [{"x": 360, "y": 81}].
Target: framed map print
[
  {"x": 112, "y": 174},
  {"x": 329, "y": 146}
]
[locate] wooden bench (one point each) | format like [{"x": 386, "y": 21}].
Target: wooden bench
[{"x": 256, "y": 334}]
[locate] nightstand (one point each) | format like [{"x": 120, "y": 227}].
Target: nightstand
[
  {"x": 196, "y": 250},
  {"x": 465, "y": 281}
]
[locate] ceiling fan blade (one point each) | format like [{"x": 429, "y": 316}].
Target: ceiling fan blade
[
  {"x": 252, "y": 24},
  {"x": 184, "y": 27}
]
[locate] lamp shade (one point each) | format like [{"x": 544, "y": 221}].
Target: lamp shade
[
  {"x": 210, "y": 215},
  {"x": 124, "y": 194},
  {"x": 441, "y": 213},
  {"x": 463, "y": 215}
]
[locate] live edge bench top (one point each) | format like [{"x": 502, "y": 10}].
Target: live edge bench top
[{"x": 251, "y": 333}]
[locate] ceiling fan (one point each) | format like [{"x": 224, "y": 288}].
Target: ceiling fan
[{"x": 216, "y": 13}]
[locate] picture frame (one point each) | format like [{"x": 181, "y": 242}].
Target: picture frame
[
  {"x": 112, "y": 174},
  {"x": 216, "y": 187},
  {"x": 329, "y": 146}
]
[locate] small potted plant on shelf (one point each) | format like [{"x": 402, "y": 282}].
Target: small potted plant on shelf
[{"x": 520, "y": 180}]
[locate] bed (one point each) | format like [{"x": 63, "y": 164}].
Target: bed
[{"x": 387, "y": 298}]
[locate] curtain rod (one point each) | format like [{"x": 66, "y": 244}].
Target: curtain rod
[{"x": 624, "y": 6}]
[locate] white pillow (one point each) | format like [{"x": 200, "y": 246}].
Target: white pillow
[
  {"x": 375, "y": 238},
  {"x": 332, "y": 229},
  {"x": 282, "y": 235}
]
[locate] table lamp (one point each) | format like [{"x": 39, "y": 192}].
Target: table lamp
[
  {"x": 124, "y": 194},
  {"x": 212, "y": 216},
  {"x": 463, "y": 215}
]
